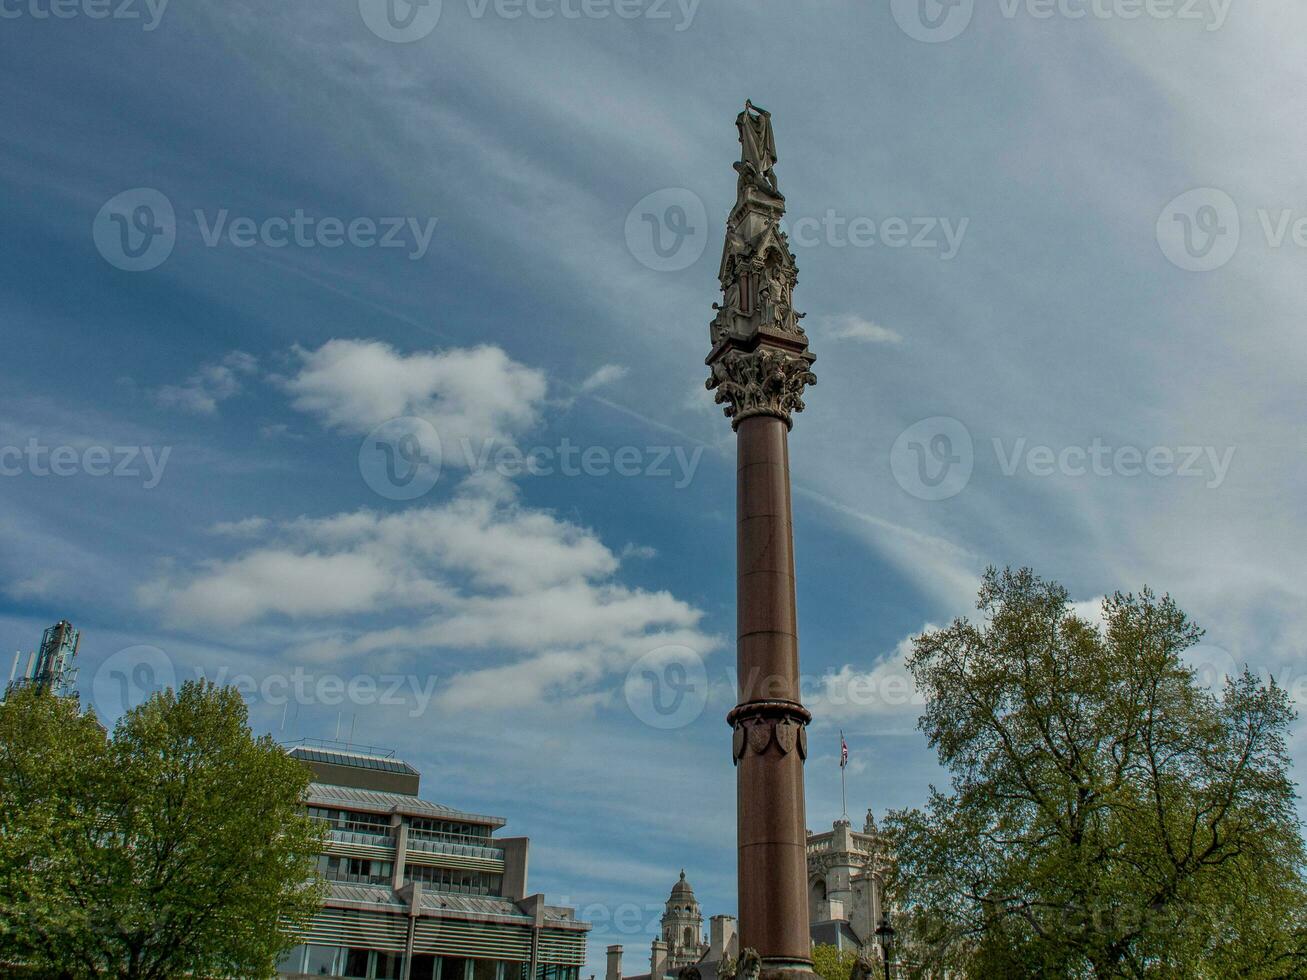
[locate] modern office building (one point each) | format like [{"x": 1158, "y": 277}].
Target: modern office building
[{"x": 420, "y": 891}]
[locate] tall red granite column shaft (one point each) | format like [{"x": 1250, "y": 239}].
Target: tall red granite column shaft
[
  {"x": 772, "y": 830},
  {"x": 760, "y": 366}
]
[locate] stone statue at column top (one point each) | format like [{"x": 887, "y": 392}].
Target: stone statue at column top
[
  {"x": 760, "y": 360},
  {"x": 757, "y": 150}
]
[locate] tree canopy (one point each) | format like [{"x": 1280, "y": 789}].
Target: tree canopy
[
  {"x": 179, "y": 845},
  {"x": 832, "y": 963},
  {"x": 1108, "y": 816}
]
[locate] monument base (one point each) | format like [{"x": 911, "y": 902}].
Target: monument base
[{"x": 797, "y": 972}]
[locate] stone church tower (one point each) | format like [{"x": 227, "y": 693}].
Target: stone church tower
[
  {"x": 846, "y": 884},
  {"x": 682, "y": 939}
]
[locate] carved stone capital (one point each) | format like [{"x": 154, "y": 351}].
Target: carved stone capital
[{"x": 764, "y": 381}]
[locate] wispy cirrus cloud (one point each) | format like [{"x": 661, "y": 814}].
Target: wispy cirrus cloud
[
  {"x": 850, "y": 326},
  {"x": 201, "y": 393}
]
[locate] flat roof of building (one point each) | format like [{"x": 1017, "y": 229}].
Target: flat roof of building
[
  {"x": 473, "y": 907},
  {"x": 376, "y": 801},
  {"x": 346, "y": 757}
]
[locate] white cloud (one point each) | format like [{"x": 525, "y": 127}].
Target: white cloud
[
  {"x": 533, "y": 594},
  {"x": 248, "y": 527},
  {"x": 606, "y": 375},
  {"x": 278, "y": 430},
  {"x": 272, "y": 581},
  {"x": 475, "y": 395},
  {"x": 850, "y": 326},
  {"x": 884, "y": 693},
  {"x": 211, "y": 384}
]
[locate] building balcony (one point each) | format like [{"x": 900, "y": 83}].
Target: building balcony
[
  {"x": 436, "y": 844},
  {"x": 348, "y": 840}
]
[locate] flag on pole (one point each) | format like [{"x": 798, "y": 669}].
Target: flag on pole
[{"x": 844, "y": 751}]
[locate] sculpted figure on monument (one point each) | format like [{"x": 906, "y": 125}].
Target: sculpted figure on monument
[
  {"x": 863, "y": 969},
  {"x": 750, "y": 967},
  {"x": 732, "y": 306},
  {"x": 758, "y": 146},
  {"x": 769, "y": 298}
]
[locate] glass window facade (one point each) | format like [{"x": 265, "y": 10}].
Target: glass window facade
[
  {"x": 358, "y": 871},
  {"x": 356, "y": 963},
  {"x": 451, "y": 831},
  {"x": 359, "y": 823},
  {"x": 364, "y": 964},
  {"x": 321, "y": 961},
  {"x": 457, "y": 881}
]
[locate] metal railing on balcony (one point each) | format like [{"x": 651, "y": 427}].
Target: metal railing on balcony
[
  {"x": 369, "y": 839},
  {"x": 347, "y": 878},
  {"x": 425, "y": 840}
]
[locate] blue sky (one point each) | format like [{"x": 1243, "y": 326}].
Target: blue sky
[{"x": 990, "y": 219}]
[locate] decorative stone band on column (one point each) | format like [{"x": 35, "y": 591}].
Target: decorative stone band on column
[
  {"x": 759, "y": 725},
  {"x": 764, "y": 381}
]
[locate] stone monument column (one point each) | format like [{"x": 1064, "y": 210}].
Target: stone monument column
[{"x": 760, "y": 366}]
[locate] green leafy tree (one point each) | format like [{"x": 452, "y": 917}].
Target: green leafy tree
[
  {"x": 53, "y": 772},
  {"x": 1108, "y": 816},
  {"x": 178, "y": 846},
  {"x": 832, "y": 963}
]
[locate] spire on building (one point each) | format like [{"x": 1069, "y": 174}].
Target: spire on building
[{"x": 682, "y": 926}]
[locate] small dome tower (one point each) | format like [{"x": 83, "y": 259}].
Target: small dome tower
[{"x": 682, "y": 926}]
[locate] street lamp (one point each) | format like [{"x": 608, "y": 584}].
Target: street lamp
[{"x": 885, "y": 933}]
